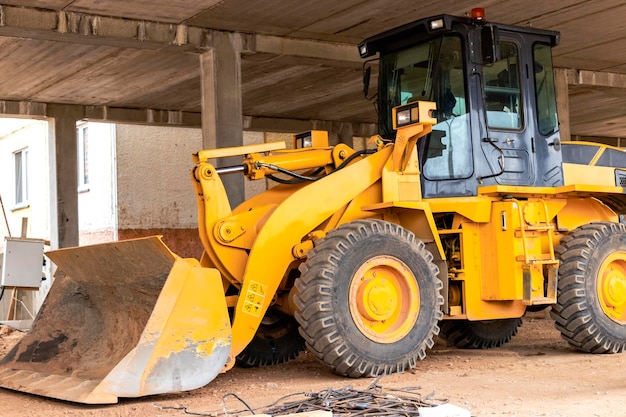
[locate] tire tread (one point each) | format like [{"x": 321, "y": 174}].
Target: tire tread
[
  {"x": 318, "y": 326},
  {"x": 573, "y": 315}
]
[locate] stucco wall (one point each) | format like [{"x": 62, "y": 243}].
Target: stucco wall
[
  {"x": 154, "y": 191},
  {"x": 153, "y": 184}
]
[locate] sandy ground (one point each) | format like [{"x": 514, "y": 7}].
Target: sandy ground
[{"x": 536, "y": 374}]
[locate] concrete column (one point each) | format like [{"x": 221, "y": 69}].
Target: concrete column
[
  {"x": 222, "y": 115},
  {"x": 62, "y": 151},
  {"x": 562, "y": 102}
]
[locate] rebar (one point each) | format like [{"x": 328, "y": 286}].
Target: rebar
[
  {"x": 375, "y": 400},
  {"x": 348, "y": 402}
]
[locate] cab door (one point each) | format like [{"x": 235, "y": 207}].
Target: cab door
[{"x": 507, "y": 146}]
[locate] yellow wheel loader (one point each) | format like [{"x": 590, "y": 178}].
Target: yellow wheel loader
[{"x": 465, "y": 212}]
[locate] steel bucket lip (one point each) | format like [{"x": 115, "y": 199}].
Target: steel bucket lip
[
  {"x": 60, "y": 358},
  {"x": 59, "y": 387}
]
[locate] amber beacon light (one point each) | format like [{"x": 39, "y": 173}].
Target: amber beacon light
[{"x": 478, "y": 13}]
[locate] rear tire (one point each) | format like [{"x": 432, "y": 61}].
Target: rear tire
[
  {"x": 486, "y": 334},
  {"x": 591, "y": 307},
  {"x": 369, "y": 299},
  {"x": 276, "y": 341}
]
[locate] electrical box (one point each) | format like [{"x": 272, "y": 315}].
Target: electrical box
[{"x": 22, "y": 263}]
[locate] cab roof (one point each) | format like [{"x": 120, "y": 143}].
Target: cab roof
[{"x": 421, "y": 30}]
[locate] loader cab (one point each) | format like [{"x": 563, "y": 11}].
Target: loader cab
[{"x": 496, "y": 107}]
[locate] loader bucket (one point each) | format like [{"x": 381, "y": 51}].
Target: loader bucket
[{"x": 127, "y": 319}]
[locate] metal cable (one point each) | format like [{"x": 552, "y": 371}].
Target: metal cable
[{"x": 346, "y": 402}]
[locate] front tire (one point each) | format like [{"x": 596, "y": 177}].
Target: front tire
[
  {"x": 486, "y": 334},
  {"x": 276, "y": 341},
  {"x": 369, "y": 299},
  {"x": 591, "y": 307}
]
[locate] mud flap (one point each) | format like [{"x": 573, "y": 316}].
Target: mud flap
[{"x": 128, "y": 319}]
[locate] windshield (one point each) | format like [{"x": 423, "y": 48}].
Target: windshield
[{"x": 431, "y": 71}]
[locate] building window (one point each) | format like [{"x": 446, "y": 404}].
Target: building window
[
  {"x": 83, "y": 156},
  {"x": 20, "y": 159}
]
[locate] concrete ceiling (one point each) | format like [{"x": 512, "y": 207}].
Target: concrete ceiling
[{"x": 300, "y": 61}]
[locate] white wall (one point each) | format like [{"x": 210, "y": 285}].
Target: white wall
[
  {"x": 16, "y": 134},
  {"x": 97, "y": 201},
  {"x": 139, "y": 179}
]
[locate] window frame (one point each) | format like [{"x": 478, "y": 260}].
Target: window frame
[
  {"x": 510, "y": 90},
  {"x": 21, "y": 197},
  {"x": 549, "y": 76},
  {"x": 430, "y": 142},
  {"x": 82, "y": 143}
]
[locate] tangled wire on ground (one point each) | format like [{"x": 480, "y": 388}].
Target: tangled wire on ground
[{"x": 345, "y": 402}]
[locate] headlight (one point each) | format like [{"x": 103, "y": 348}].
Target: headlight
[
  {"x": 436, "y": 24},
  {"x": 363, "y": 50},
  {"x": 302, "y": 140},
  {"x": 406, "y": 115},
  {"x": 310, "y": 139},
  {"x": 416, "y": 112},
  {"x": 403, "y": 117}
]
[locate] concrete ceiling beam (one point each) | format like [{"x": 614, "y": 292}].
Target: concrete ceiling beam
[
  {"x": 305, "y": 50},
  {"x": 278, "y": 125},
  {"x": 90, "y": 29},
  {"x": 29, "y": 109},
  {"x": 596, "y": 78},
  {"x": 176, "y": 118},
  {"x": 155, "y": 117}
]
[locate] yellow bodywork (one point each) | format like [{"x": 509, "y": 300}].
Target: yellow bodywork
[
  {"x": 271, "y": 249},
  {"x": 583, "y": 172},
  {"x": 503, "y": 243},
  {"x": 130, "y": 318}
]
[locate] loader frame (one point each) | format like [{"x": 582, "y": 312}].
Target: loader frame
[{"x": 456, "y": 220}]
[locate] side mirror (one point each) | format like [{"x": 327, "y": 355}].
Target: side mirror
[
  {"x": 367, "y": 74},
  {"x": 489, "y": 44}
]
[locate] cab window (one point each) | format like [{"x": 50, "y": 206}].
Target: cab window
[
  {"x": 501, "y": 84},
  {"x": 432, "y": 71},
  {"x": 544, "y": 89}
]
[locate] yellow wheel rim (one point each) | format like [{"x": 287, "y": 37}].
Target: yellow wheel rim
[
  {"x": 612, "y": 287},
  {"x": 384, "y": 299}
]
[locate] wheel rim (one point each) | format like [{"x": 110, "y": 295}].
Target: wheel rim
[
  {"x": 612, "y": 287},
  {"x": 384, "y": 299}
]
